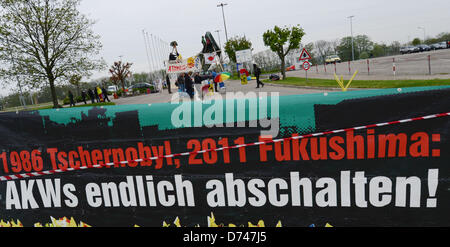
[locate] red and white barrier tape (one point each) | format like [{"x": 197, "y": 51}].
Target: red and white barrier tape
[{"x": 36, "y": 174}]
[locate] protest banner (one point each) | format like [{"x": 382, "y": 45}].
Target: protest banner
[
  {"x": 192, "y": 64},
  {"x": 359, "y": 158}
]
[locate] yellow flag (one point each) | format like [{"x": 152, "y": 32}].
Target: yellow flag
[
  {"x": 279, "y": 224},
  {"x": 165, "y": 224},
  {"x": 38, "y": 225},
  {"x": 328, "y": 225},
  {"x": 231, "y": 225}
]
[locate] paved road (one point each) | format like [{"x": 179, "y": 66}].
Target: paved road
[{"x": 232, "y": 86}]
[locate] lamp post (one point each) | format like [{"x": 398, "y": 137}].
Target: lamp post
[
  {"x": 224, "y": 23},
  {"x": 423, "y": 33},
  {"x": 220, "y": 43},
  {"x": 351, "y": 31}
]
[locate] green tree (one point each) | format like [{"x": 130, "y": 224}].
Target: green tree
[
  {"x": 236, "y": 44},
  {"x": 282, "y": 41},
  {"x": 75, "y": 80},
  {"x": 378, "y": 50},
  {"x": 363, "y": 43},
  {"x": 50, "y": 40},
  {"x": 416, "y": 41},
  {"x": 344, "y": 49},
  {"x": 364, "y": 55}
]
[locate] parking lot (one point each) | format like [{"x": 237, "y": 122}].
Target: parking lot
[{"x": 408, "y": 66}]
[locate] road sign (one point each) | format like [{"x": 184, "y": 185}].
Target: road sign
[
  {"x": 306, "y": 65},
  {"x": 244, "y": 56},
  {"x": 305, "y": 55}
]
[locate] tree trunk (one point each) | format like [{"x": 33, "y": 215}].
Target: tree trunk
[
  {"x": 51, "y": 81},
  {"x": 123, "y": 85},
  {"x": 283, "y": 70}
]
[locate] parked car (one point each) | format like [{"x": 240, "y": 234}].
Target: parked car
[
  {"x": 406, "y": 49},
  {"x": 332, "y": 59},
  {"x": 414, "y": 49},
  {"x": 142, "y": 86},
  {"x": 423, "y": 48},
  {"x": 112, "y": 89}
]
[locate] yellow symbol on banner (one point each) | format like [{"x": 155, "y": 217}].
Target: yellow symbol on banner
[
  {"x": 260, "y": 224},
  {"x": 72, "y": 222},
  {"x": 177, "y": 222},
  {"x": 4, "y": 224},
  {"x": 82, "y": 224},
  {"x": 212, "y": 221},
  {"x": 341, "y": 81},
  {"x": 328, "y": 225},
  {"x": 279, "y": 224},
  {"x": 231, "y": 225},
  {"x": 165, "y": 224}
]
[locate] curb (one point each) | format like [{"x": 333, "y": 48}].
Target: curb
[{"x": 309, "y": 87}]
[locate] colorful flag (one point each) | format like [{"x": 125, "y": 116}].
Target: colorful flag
[{"x": 210, "y": 58}]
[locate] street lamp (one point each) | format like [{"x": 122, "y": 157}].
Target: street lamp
[
  {"x": 423, "y": 33},
  {"x": 224, "y": 23},
  {"x": 220, "y": 43},
  {"x": 351, "y": 31}
]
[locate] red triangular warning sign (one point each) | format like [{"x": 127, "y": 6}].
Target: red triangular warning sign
[{"x": 305, "y": 55}]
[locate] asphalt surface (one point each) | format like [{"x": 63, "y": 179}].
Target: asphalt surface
[
  {"x": 408, "y": 66},
  {"x": 231, "y": 86}
]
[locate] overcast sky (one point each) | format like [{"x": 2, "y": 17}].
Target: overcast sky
[{"x": 120, "y": 22}]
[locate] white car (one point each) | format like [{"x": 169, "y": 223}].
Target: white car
[{"x": 112, "y": 89}]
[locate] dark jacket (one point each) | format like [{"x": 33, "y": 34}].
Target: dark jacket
[
  {"x": 257, "y": 71},
  {"x": 188, "y": 81}
]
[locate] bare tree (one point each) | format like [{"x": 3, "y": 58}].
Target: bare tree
[
  {"x": 50, "y": 40},
  {"x": 119, "y": 72}
]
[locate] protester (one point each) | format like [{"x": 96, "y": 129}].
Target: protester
[
  {"x": 72, "y": 103},
  {"x": 213, "y": 75},
  {"x": 83, "y": 95},
  {"x": 257, "y": 72},
  {"x": 91, "y": 95},
  {"x": 105, "y": 95},
  {"x": 99, "y": 94},
  {"x": 168, "y": 83},
  {"x": 180, "y": 82},
  {"x": 189, "y": 85}
]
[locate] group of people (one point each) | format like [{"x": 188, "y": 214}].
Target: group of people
[
  {"x": 185, "y": 83},
  {"x": 97, "y": 94}
]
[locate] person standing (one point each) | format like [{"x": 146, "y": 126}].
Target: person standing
[
  {"x": 99, "y": 94},
  {"x": 91, "y": 95},
  {"x": 180, "y": 82},
  {"x": 257, "y": 72},
  {"x": 105, "y": 95},
  {"x": 168, "y": 83},
  {"x": 72, "y": 103},
  {"x": 83, "y": 95},
  {"x": 189, "y": 85}
]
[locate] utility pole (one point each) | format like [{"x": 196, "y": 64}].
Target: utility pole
[
  {"x": 224, "y": 23},
  {"x": 351, "y": 31},
  {"x": 220, "y": 43},
  {"x": 423, "y": 34}
]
